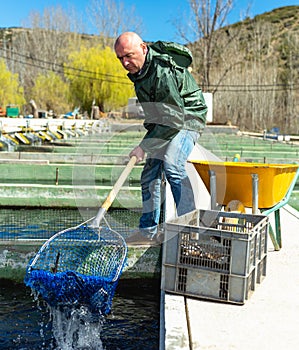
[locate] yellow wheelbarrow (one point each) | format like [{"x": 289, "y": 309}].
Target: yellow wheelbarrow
[{"x": 266, "y": 187}]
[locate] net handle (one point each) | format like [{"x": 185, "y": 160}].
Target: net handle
[
  {"x": 105, "y": 206},
  {"x": 114, "y": 191}
]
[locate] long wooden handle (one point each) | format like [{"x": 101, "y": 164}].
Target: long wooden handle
[
  {"x": 114, "y": 191},
  {"x": 117, "y": 186}
]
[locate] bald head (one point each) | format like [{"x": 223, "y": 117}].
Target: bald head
[
  {"x": 128, "y": 38},
  {"x": 131, "y": 51}
]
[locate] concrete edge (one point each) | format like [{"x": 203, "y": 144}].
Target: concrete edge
[{"x": 176, "y": 328}]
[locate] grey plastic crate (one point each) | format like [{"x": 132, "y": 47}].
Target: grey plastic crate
[
  {"x": 215, "y": 255},
  {"x": 230, "y": 243},
  {"x": 261, "y": 270},
  {"x": 262, "y": 246},
  {"x": 207, "y": 284}
]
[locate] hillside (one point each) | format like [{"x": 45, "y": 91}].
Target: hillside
[
  {"x": 255, "y": 78},
  {"x": 253, "y": 73},
  {"x": 284, "y": 23}
]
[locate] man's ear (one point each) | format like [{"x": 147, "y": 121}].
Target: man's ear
[{"x": 144, "y": 48}]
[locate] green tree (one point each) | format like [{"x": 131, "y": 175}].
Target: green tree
[
  {"x": 97, "y": 77},
  {"x": 10, "y": 90},
  {"x": 50, "y": 92}
]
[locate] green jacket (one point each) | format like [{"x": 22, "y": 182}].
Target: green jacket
[{"x": 170, "y": 98}]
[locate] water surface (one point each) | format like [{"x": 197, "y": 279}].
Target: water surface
[{"x": 133, "y": 323}]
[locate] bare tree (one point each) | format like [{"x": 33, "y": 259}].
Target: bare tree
[
  {"x": 290, "y": 78},
  {"x": 201, "y": 32},
  {"x": 111, "y": 18},
  {"x": 248, "y": 94},
  {"x": 43, "y": 47}
]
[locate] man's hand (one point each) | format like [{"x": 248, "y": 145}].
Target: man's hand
[{"x": 139, "y": 153}]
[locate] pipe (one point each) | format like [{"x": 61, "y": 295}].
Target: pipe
[
  {"x": 213, "y": 190},
  {"x": 255, "y": 195}
]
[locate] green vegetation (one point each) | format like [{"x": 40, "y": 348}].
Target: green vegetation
[
  {"x": 50, "y": 90},
  {"x": 10, "y": 92},
  {"x": 96, "y": 74}
]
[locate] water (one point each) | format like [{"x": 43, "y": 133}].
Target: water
[
  {"x": 133, "y": 323},
  {"x": 27, "y": 223}
]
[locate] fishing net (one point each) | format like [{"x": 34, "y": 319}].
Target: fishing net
[{"x": 79, "y": 266}]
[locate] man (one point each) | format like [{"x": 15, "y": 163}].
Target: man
[{"x": 175, "y": 114}]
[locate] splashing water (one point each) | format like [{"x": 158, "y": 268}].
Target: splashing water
[{"x": 76, "y": 329}]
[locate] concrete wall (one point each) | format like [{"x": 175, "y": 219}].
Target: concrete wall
[{"x": 16, "y": 255}]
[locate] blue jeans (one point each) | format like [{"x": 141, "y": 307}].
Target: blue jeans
[{"x": 170, "y": 161}]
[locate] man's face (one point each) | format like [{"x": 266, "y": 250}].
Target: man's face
[{"x": 131, "y": 56}]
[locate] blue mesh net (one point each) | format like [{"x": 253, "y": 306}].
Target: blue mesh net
[{"x": 79, "y": 266}]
